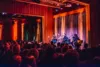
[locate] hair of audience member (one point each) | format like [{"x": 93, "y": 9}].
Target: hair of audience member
[
  {"x": 70, "y": 47},
  {"x": 96, "y": 60},
  {"x": 50, "y": 50},
  {"x": 16, "y": 49},
  {"x": 58, "y": 50},
  {"x": 7, "y": 46},
  {"x": 77, "y": 46},
  {"x": 34, "y": 52},
  {"x": 85, "y": 45},
  {"x": 71, "y": 57},
  {"x": 64, "y": 48},
  {"x": 58, "y": 44},
  {"x": 25, "y": 52},
  {"x": 31, "y": 61},
  {"x": 17, "y": 59}
]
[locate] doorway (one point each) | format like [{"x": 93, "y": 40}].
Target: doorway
[{"x": 33, "y": 29}]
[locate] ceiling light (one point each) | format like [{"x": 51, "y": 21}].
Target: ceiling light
[
  {"x": 56, "y": 10},
  {"x": 68, "y": 5},
  {"x": 4, "y": 13}
]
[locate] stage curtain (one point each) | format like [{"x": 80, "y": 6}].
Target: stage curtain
[
  {"x": 84, "y": 25},
  {"x": 63, "y": 25},
  {"x": 59, "y": 22},
  {"x": 74, "y": 24},
  {"x": 71, "y": 25},
  {"x": 55, "y": 26}
]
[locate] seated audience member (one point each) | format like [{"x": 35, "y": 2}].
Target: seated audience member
[
  {"x": 49, "y": 58},
  {"x": 29, "y": 61},
  {"x": 85, "y": 45},
  {"x": 34, "y": 52},
  {"x": 64, "y": 49},
  {"x": 17, "y": 59},
  {"x": 6, "y": 57},
  {"x": 96, "y": 60},
  {"x": 16, "y": 49},
  {"x": 71, "y": 58}
]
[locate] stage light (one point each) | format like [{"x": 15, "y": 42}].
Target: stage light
[
  {"x": 68, "y": 5},
  {"x": 61, "y": 8},
  {"x": 56, "y": 10},
  {"x": 14, "y": 14},
  {"x": 4, "y": 13}
]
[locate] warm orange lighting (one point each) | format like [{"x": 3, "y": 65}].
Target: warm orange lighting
[
  {"x": 38, "y": 20},
  {"x": 63, "y": 25},
  {"x": 55, "y": 26},
  {"x": 22, "y": 30},
  {"x": 87, "y": 22},
  {"x": 38, "y": 33},
  {"x": 80, "y": 26},
  {"x": 0, "y": 32},
  {"x": 71, "y": 12},
  {"x": 71, "y": 25},
  {"x": 15, "y": 30}
]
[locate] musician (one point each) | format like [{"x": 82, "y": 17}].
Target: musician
[
  {"x": 66, "y": 39},
  {"x": 54, "y": 39},
  {"x": 75, "y": 38},
  {"x": 76, "y": 41}
]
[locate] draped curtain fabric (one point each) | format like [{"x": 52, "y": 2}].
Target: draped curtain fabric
[
  {"x": 67, "y": 24},
  {"x": 74, "y": 24},
  {"x": 59, "y": 25},
  {"x": 71, "y": 25},
  {"x": 84, "y": 25}
]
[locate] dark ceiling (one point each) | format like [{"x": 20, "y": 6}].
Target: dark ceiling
[
  {"x": 67, "y": 9},
  {"x": 86, "y": 1}
]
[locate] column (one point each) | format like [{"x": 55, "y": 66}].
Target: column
[
  {"x": 22, "y": 31},
  {"x": 0, "y": 32},
  {"x": 15, "y": 30}
]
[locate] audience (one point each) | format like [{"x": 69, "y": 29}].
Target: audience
[{"x": 33, "y": 54}]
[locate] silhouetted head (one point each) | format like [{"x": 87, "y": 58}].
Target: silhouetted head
[{"x": 71, "y": 57}]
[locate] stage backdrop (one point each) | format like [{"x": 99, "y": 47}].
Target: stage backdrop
[{"x": 70, "y": 24}]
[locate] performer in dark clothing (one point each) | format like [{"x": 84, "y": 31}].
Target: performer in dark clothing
[
  {"x": 66, "y": 39},
  {"x": 75, "y": 39},
  {"x": 54, "y": 39}
]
